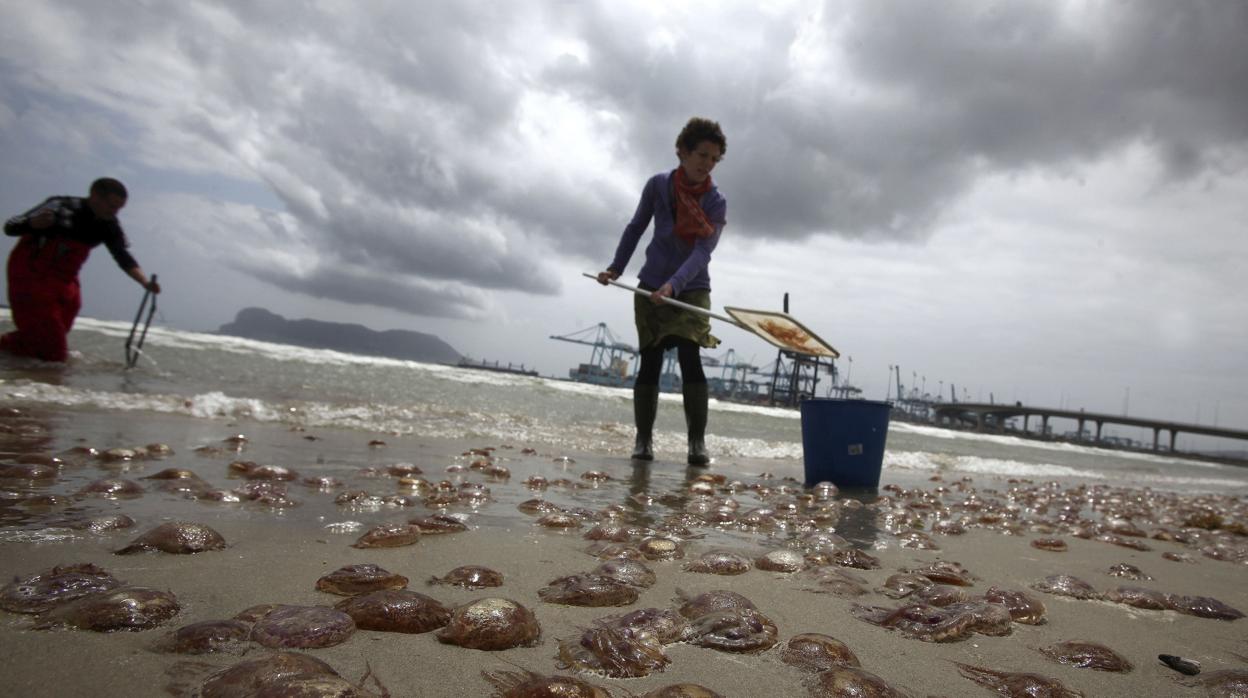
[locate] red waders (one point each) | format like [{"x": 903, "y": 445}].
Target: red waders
[{"x": 43, "y": 296}]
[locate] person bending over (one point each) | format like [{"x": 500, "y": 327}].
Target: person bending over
[{"x": 54, "y": 240}]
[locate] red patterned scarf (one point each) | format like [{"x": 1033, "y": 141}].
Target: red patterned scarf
[{"x": 691, "y": 220}]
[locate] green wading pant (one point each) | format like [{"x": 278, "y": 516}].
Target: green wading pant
[{"x": 656, "y": 321}]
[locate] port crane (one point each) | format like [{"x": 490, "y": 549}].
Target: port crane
[
  {"x": 611, "y": 360},
  {"x": 844, "y": 390},
  {"x": 734, "y": 377}
]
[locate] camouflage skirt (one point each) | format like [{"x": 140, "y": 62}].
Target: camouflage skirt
[{"x": 656, "y": 322}]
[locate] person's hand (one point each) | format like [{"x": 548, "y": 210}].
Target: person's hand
[
  {"x": 659, "y": 294},
  {"x": 152, "y": 286},
  {"x": 608, "y": 275},
  {"x": 43, "y": 219}
]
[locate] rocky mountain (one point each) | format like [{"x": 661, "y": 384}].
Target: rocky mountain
[{"x": 258, "y": 323}]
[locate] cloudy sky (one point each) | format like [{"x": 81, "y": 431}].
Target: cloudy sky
[{"x": 1033, "y": 200}]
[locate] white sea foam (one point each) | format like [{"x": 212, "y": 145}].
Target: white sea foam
[
  {"x": 43, "y": 535},
  {"x": 975, "y": 465},
  {"x": 29, "y": 391},
  {"x": 1020, "y": 442},
  {"x": 185, "y": 339},
  {"x": 425, "y": 419}
]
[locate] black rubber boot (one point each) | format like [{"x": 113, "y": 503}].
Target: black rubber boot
[
  {"x": 696, "y": 396},
  {"x": 645, "y": 407}
]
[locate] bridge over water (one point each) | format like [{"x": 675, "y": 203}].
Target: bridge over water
[{"x": 993, "y": 416}]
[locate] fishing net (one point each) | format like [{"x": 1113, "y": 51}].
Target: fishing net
[{"x": 783, "y": 331}]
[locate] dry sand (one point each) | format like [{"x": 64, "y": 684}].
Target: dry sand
[{"x": 275, "y": 558}]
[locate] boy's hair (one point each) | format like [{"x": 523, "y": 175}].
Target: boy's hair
[
  {"x": 698, "y": 130},
  {"x": 107, "y": 186}
]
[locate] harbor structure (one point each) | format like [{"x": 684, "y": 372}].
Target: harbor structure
[
  {"x": 785, "y": 382},
  {"x": 611, "y": 362},
  {"x": 496, "y": 366}
]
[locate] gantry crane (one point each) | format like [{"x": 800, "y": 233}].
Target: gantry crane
[{"x": 609, "y": 362}]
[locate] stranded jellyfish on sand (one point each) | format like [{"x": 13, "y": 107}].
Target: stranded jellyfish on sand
[
  {"x": 719, "y": 562},
  {"x": 1067, "y": 585},
  {"x": 1202, "y": 607},
  {"x": 1138, "y": 597},
  {"x": 1087, "y": 655},
  {"x": 125, "y": 608},
  {"x": 1126, "y": 571},
  {"x": 1224, "y": 683},
  {"x": 940, "y": 595},
  {"x": 631, "y": 572},
  {"x": 917, "y": 540},
  {"x": 104, "y": 523},
  {"x": 856, "y": 558},
  {"x": 112, "y": 488},
  {"x": 470, "y": 577},
  {"x": 904, "y": 584},
  {"x": 986, "y": 618},
  {"x": 614, "y": 551},
  {"x": 659, "y": 548},
  {"x": 1022, "y": 607},
  {"x": 919, "y": 621},
  {"x": 303, "y": 627},
  {"x": 836, "y": 581},
  {"x": 781, "y": 560},
  {"x": 27, "y": 471},
  {"x": 178, "y": 537},
  {"x": 287, "y": 674},
  {"x": 664, "y": 624},
  {"x": 389, "y": 536},
  {"x": 946, "y": 572},
  {"x": 395, "y": 611},
  {"x": 438, "y": 523},
  {"x": 743, "y": 630},
  {"x": 207, "y": 636},
  {"x": 682, "y": 690},
  {"x": 710, "y": 602},
  {"x": 172, "y": 474},
  {"x": 61, "y": 584},
  {"x": 1017, "y": 684},
  {"x": 817, "y": 652},
  {"x": 360, "y": 579},
  {"x": 588, "y": 590},
  {"x": 491, "y": 624},
  {"x": 514, "y": 684},
  {"x": 617, "y": 652},
  {"x": 840, "y": 681},
  {"x": 559, "y": 520}
]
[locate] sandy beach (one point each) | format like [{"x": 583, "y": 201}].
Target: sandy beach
[{"x": 277, "y": 555}]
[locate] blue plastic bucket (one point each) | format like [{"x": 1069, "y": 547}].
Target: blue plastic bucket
[{"x": 843, "y": 441}]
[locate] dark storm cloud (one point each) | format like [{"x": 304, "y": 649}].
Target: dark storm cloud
[
  {"x": 401, "y": 137},
  {"x": 339, "y": 284},
  {"x": 975, "y": 88},
  {"x": 919, "y": 100}
]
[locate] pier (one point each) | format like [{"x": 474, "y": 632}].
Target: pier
[{"x": 992, "y": 417}]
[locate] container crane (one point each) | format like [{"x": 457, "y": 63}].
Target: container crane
[
  {"x": 734, "y": 380},
  {"x": 610, "y": 360}
]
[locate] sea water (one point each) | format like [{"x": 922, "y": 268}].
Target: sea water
[{"x": 206, "y": 381}]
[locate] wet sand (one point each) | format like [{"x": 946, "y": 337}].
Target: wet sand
[{"x": 276, "y": 557}]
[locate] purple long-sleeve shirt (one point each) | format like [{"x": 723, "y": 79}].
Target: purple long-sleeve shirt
[{"x": 668, "y": 258}]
